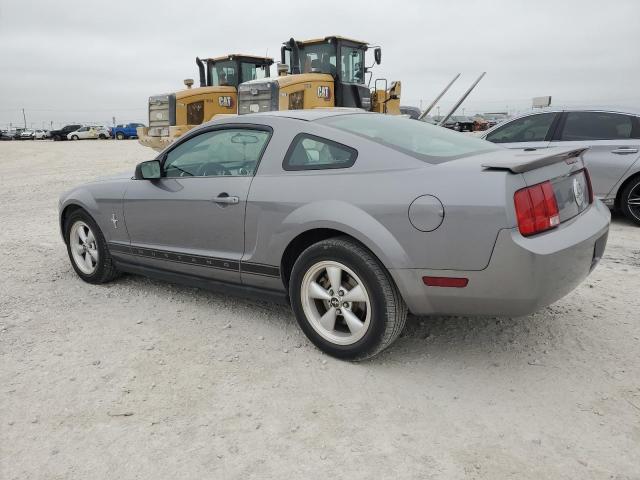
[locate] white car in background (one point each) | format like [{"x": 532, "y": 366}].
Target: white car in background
[
  {"x": 89, "y": 132},
  {"x": 40, "y": 134}
]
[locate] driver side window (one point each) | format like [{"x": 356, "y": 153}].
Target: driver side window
[{"x": 231, "y": 152}]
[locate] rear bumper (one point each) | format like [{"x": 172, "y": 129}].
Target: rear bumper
[{"x": 523, "y": 275}]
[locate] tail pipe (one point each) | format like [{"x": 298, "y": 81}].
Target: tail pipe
[{"x": 203, "y": 81}]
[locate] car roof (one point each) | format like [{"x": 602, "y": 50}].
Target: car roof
[
  {"x": 585, "y": 108},
  {"x": 308, "y": 115}
]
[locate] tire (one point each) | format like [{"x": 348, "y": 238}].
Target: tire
[
  {"x": 120, "y": 136},
  {"x": 381, "y": 316},
  {"x": 74, "y": 137},
  {"x": 631, "y": 193},
  {"x": 56, "y": 138},
  {"x": 102, "y": 136},
  {"x": 103, "y": 270}
]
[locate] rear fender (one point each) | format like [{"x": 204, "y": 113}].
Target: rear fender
[{"x": 347, "y": 218}]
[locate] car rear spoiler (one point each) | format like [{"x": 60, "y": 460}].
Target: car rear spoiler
[{"x": 530, "y": 159}]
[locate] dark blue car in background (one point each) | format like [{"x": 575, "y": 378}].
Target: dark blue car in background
[{"x": 125, "y": 130}]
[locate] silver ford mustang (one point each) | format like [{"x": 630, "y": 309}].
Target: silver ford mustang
[{"x": 354, "y": 218}]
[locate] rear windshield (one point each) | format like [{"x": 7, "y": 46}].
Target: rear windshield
[{"x": 426, "y": 142}]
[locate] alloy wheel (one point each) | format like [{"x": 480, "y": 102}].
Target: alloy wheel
[
  {"x": 633, "y": 201},
  {"x": 84, "y": 249},
  {"x": 336, "y": 302}
]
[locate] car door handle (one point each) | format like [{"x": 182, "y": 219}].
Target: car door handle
[
  {"x": 224, "y": 198},
  {"x": 624, "y": 150}
]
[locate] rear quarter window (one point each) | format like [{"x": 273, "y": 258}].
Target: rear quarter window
[
  {"x": 309, "y": 152},
  {"x": 426, "y": 142}
]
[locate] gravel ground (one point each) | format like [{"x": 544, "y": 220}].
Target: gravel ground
[{"x": 143, "y": 379}]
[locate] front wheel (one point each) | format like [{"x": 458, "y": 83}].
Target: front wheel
[
  {"x": 74, "y": 137},
  {"x": 120, "y": 136},
  {"x": 87, "y": 249},
  {"x": 344, "y": 299},
  {"x": 630, "y": 200}
]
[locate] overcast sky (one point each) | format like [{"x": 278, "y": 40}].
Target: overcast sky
[{"x": 87, "y": 61}]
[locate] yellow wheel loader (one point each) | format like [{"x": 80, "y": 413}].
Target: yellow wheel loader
[
  {"x": 173, "y": 114},
  {"x": 323, "y": 72}
]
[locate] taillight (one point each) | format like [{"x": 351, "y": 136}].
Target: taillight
[
  {"x": 588, "y": 177},
  {"x": 536, "y": 208}
]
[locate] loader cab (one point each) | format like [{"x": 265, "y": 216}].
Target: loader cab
[
  {"x": 342, "y": 58},
  {"x": 232, "y": 70},
  {"x": 173, "y": 114}
]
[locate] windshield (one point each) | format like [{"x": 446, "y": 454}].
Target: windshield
[
  {"x": 251, "y": 71},
  {"x": 318, "y": 58},
  {"x": 223, "y": 74},
  {"x": 421, "y": 140}
]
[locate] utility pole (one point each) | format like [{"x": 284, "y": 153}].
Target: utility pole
[{"x": 25, "y": 119}]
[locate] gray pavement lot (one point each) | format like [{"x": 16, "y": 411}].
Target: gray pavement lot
[{"x": 144, "y": 379}]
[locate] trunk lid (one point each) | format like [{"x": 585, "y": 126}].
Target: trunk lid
[
  {"x": 563, "y": 167},
  {"x": 520, "y": 161}
]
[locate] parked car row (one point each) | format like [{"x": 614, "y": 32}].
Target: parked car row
[
  {"x": 460, "y": 123},
  {"x": 24, "y": 134},
  {"x": 74, "y": 132},
  {"x": 85, "y": 132}
]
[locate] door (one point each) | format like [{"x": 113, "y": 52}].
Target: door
[
  {"x": 531, "y": 131},
  {"x": 92, "y": 133},
  {"x": 82, "y": 133},
  {"x": 613, "y": 140},
  {"x": 191, "y": 220}
]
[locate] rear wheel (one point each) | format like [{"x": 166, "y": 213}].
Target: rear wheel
[
  {"x": 56, "y": 138},
  {"x": 87, "y": 249},
  {"x": 630, "y": 200},
  {"x": 102, "y": 136},
  {"x": 120, "y": 136},
  {"x": 344, "y": 299}
]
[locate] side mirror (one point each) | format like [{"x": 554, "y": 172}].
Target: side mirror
[
  {"x": 377, "y": 55},
  {"x": 149, "y": 170}
]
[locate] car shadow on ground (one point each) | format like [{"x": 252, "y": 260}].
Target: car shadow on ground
[
  {"x": 456, "y": 338},
  {"x": 460, "y": 338}
]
